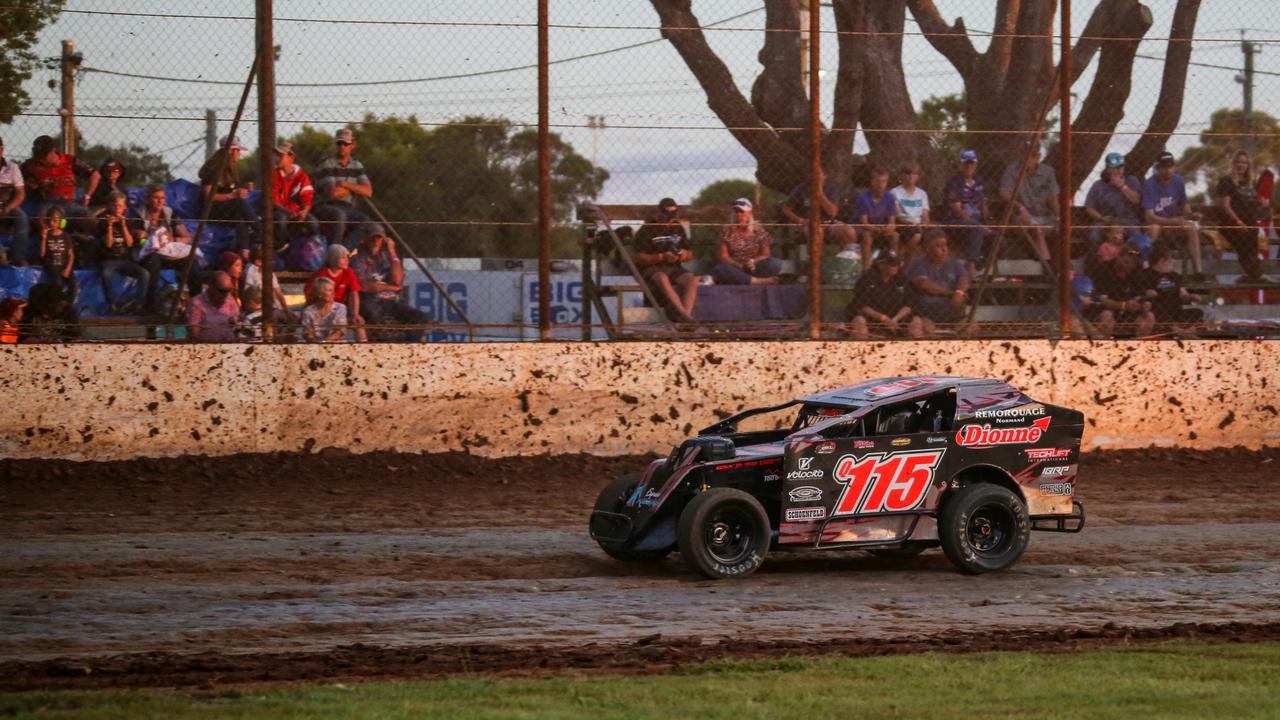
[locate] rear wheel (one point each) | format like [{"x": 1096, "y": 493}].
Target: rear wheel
[
  {"x": 724, "y": 533},
  {"x": 983, "y": 528},
  {"x": 611, "y": 499}
]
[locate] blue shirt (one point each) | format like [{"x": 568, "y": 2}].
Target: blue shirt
[
  {"x": 1111, "y": 202},
  {"x": 947, "y": 275},
  {"x": 969, "y": 196},
  {"x": 878, "y": 212},
  {"x": 1165, "y": 199}
]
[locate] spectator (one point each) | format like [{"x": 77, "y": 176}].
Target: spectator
[
  {"x": 57, "y": 253},
  {"x": 293, "y": 196},
  {"x": 50, "y": 178},
  {"x": 50, "y": 315},
  {"x": 1116, "y": 200},
  {"x": 117, "y": 244},
  {"x": 965, "y": 196},
  {"x": 1167, "y": 212},
  {"x": 12, "y": 192},
  {"x": 346, "y": 286},
  {"x": 1244, "y": 210},
  {"x": 229, "y": 196},
  {"x": 249, "y": 325},
  {"x": 881, "y": 302},
  {"x": 1120, "y": 291},
  {"x": 1112, "y": 243},
  {"x": 212, "y": 315},
  {"x": 253, "y": 279},
  {"x": 381, "y": 277},
  {"x": 340, "y": 179},
  {"x": 233, "y": 265},
  {"x": 10, "y": 316},
  {"x": 795, "y": 209},
  {"x": 323, "y": 320},
  {"x": 875, "y": 213},
  {"x": 1162, "y": 287},
  {"x": 660, "y": 245},
  {"x": 1036, "y": 207},
  {"x": 112, "y": 174},
  {"x": 744, "y": 251},
  {"x": 913, "y": 210},
  {"x": 163, "y": 243},
  {"x": 1086, "y": 301},
  {"x": 941, "y": 286}
]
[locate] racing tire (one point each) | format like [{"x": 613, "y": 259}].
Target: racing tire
[
  {"x": 983, "y": 528},
  {"x": 611, "y": 499},
  {"x": 724, "y": 533}
]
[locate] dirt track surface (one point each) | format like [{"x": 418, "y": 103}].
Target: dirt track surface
[{"x": 202, "y": 570}]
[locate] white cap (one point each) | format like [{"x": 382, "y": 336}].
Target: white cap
[{"x": 742, "y": 203}]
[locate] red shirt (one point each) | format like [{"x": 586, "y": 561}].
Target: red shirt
[
  {"x": 56, "y": 181},
  {"x": 344, "y": 282},
  {"x": 294, "y": 192}
]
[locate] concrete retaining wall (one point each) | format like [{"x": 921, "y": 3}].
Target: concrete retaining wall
[{"x": 107, "y": 402}]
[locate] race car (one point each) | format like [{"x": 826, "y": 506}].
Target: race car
[{"x": 894, "y": 466}]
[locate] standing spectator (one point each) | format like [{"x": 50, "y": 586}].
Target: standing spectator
[
  {"x": 340, "y": 179},
  {"x": 941, "y": 286},
  {"x": 913, "y": 210},
  {"x": 875, "y": 213},
  {"x": 1115, "y": 200},
  {"x": 795, "y": 209},
  {"x": 744, "y": 251},
  {"x": 229, "y": 196},
  {"x": 346, "y": 286},
  {"x": 881, "y": 302},
  {"x": 381, "y": 277},
  {"x": 965, "y": 196},
  {"x": 112, "y": 174},
  {"x": 1162, "y": 287},
  {"x": 1036, "y": 207},
  {"x": 212, "y": 315},
  {"x": 323, "y": 320},
  {"x": 12, "y": 192},
  {"x": 1167, "y": 212},
  {"x": 58, "y": 253},
  {"x": 1244, "y": 210},
  {"x": 660, "y": 246},
  {"x": 50, "y": 178},
  {"x": 293, "y": 194},
  {"x": 10, "y": 316},
  {"x": 117, "y": 246},
  {"x": 1120, "y": 291},
  {"x": 163, "y": 243}
]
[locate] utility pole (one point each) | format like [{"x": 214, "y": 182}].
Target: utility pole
[
  {"x": 210, "y": 132},
  {"x": 804, "y": 41},
  {"x": 70, "y": 61},
  {"x": 266, "y": 157},
  {"x": 1246, "y": 79},
  {"x": 596, "y": 123}
]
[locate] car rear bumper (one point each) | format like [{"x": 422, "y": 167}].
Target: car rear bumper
[{"x": 1072, "y": 523}]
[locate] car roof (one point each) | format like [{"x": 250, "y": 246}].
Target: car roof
[{"x": 881, "y": 390}]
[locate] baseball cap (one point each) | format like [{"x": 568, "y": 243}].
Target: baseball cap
[
  {"x": 232, "y": 142},
  {"x": 1165, "y": 158},
  {"x": 344, "y": 136},
  {"x": 742, "y": 203},
  {"x": 286, "y": 148},
  {"x": 1115, "y": 160},
  {"x": 969, "y": 156},
  {"x": 888, "y": 256},
  {"x": 666, "y": 202}
]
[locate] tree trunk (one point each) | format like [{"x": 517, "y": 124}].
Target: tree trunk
[{"x": 1168, "y": 109}]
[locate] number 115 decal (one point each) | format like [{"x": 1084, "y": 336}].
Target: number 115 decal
[{"x": 880, "y": 482}]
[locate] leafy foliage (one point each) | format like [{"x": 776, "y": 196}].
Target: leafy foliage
[
  {"x": 143, "y": 167},
  {"x": 1227, "y": 133},
  {"x": 18, "y": 32}
]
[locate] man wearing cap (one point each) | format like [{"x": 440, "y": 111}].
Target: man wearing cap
[
  {"x": 1168, "y": 213},
  {"x": 1119, "y": 289},
  {"x": 50, "y": 178},
  {"x": 230, "y": 198},
  {"x": 744, "y": 256},
  {"x": 340, "y": 179},
  {"x": 659, "y": 248},
  {"x": 12, "y": 193},
  {"x": 293, "y": 195},
  {"x": 965, "y": 197},
  {"x": 1036, "y": 207},
  {"x": 881, "y": 302},
  {"x": 1115, "y": 199},
  {"x": 381, "y": 278}
]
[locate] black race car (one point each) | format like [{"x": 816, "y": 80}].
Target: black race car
[{"x": 894, "y": 466}]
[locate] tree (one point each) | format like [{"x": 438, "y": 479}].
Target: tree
[
  {"x": 18, "y": 33},
  {"x": 144, "y": 167},
  {"x": 724, "y": 192},
  {"x": 1227, "y": 133},
  {"x": 1007, "y": 87}
]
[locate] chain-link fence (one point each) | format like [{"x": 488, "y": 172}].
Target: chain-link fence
[{"x": 665, "y": 187}]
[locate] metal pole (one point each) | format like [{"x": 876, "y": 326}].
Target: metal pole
[
  {"x": 1064, "y": 174},
  {"x": 544, "y": 177},
  {"x": 266, "y": 157},
  {"x": 1247, "y": 80},
  {"x": 815, "y": 176},
  {"x": 210, "y": 132},
  {"x": 68, "y": 110}
]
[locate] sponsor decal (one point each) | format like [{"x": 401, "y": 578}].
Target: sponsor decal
[
  {"x": 1013, "y": 414},
  {"x": 900, "y": 386},
  {"x": 772, "y": 477},
  {"x": 936, "y": 439},
  {"x": 863, "y": 444},
  {"x": 747, "y": 464},
  {"x": 825, "y": 448},
  {"x": 879, "y": 482},
  {"x": 802, "y": 514},
  {"x": 805, "y": 493},
  {"x": 1047, "y": 453},
  {"x": 900, "y": 442},
  {"x": 1055, "y": 488},
  {"x": 831, "y": 412},
  {"x": 804, "y": 472},
  {"x": 984, "y": 435},
  {"x": 650, "y": 498},
  {"x": 1056, "y": 471}
]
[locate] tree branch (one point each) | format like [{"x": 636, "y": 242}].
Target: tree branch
[
  {"x": 1168, "y": 109},
  {"x": 778, "y": 94},
  {"x": 950, "y": 40}
]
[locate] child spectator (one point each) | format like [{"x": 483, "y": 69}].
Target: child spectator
[
  {"x": 250, "y": 324},
  {"x": 117, "y": 244},
  {"x": 58, "y": 252},
  {"x": 346, "y": 286},
  {"x": 323, "y": 320},
  {"x": 913, "y": 210},
  {"x": 881, "y": 302},
  {"x": 293, "y": 194},
  {"x": 744, "y": 251},
  {"x": 253, "y": 279},
  {"x": 10, "y": 316},
  {"x": 1110, "y": 247},
  {"x": 875, "y": 214},
  {"x": 113, "y": 174},
  {"x": 1163, "y": 288}
]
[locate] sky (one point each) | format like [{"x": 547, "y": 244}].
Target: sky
[{"x": 472, "y": 58}]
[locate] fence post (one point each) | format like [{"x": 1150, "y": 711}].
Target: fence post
[
  {"x": 266, "y": 156},
  {"x": 544, "y": 179},
  {"x": 815, "y": 174},
  {"x": 1064, "y": 175}
]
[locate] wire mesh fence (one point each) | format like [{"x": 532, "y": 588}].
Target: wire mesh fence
[{"x": 674, "y": 164}]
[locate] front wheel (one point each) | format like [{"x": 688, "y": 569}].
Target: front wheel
[
  {"x": 611, "y": 499},
  {"x": 983, "y": 528},
  {"x": 724, "y": 533}
]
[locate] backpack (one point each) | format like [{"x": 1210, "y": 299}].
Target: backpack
[{"x": 306, "y": 254}]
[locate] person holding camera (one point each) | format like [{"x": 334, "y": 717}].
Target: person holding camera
[
  {"x": 660, "y": 246},
  {"x": 117, "y": 244}
]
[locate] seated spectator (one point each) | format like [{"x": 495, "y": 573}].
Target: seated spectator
[
  {"x": 293, "y": 197},
  {"x": 1244, "y": 210},
  {"x": 340, "y": 180},
  {"x": 323, "y": 320},
  {"x": 50, "y": 180},
  {"x": 965, "y": 196},
  {"x": 249, "y": 325},
  {"x": 1115, "y": 200},
  {"x": 1168, "y": 213},
  {"x": 913, "y": 210},
  {"x": 12, "y": 193},
  {"x": 1112, "y": 243},
  {"x": 875, "y": 215},
  {"x": 795, "y": 209},
  {"x": 10, "y": 317},
  {"x": 117, "y": 244},
  {"x": 744, "y": 251},
  {"x": 50, "y": 315},
  {"x": 881, "y": 303},
  {"x": 253, "y": 279},
  {"x": 941, "y": 286},
  {"x": 1087, "y": 303},
  {"x": 113, "y": 174},
  {"x": 1120, "y": 290},
  {"x": 346, "y": 286},
  {"x": 163, "y": 243},
  {"x": 381, "y": 277},
  {"x": 58, "y": 253},
  {"x": 229, "y": 196},
  {"x": 233, "y": 265},
  {"x": 212, "y": 315},
  {"x": 1036, "y": 207},
  {"x": 1162, "y": 287},
  {"x": 659, "y": 246}
]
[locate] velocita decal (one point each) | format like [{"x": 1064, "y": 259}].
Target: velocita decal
[{"x": 986, "y": 436}]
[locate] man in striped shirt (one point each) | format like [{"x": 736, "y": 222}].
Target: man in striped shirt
[{"x": 340, "y": 179}]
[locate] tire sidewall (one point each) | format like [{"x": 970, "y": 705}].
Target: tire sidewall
[
  {"x": 953, "y": 526},
  {"x": 691, "y": 533}
]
